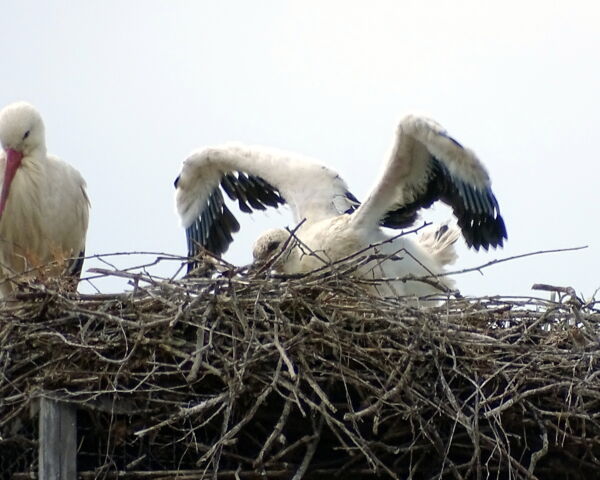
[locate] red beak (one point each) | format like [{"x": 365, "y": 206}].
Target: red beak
[{"x": 13, "y": 162}]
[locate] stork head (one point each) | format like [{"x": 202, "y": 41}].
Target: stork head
[
  {"x": 21, "y": 134},
  {"x": 270, "y": 244},
  {"x": 21, "y": 128}
]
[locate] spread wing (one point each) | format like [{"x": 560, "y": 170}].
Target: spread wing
[
  {"x": 427, "y": 165},
  {"x": 256, "y": 178}
]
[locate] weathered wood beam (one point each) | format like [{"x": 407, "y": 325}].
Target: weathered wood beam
[{"x": 57, "y": 441}]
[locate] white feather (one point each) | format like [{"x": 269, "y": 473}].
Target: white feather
[
  {"x": 46, "y": 213},
  {"x": 288, "y": 172},
  {"x": 327, "y": 234}
]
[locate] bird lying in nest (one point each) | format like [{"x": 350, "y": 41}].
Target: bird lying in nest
[{"x": 425, "y": 165}]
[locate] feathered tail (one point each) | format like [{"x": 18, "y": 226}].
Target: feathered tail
[{"x": 439, "y": 241}]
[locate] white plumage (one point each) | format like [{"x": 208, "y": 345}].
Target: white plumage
[
  {"x": 394, "y": 258},
  {"x": 43, "y": 203},
  {"x": 425, "y": 165}
]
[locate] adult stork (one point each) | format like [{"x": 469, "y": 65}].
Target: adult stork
[
  {"x": 43, "y": 203},
  {"x": 425, "y": 165}
]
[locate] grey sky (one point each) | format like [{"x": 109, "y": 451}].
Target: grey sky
[{"x": 128, "y": 89}]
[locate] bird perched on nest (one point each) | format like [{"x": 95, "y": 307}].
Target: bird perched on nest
[
  {"x": 425, "y": 165},
  {"x": 43, "y": 203}
]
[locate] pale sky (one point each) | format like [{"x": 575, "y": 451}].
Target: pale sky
[{"x": 127, "y": 89}]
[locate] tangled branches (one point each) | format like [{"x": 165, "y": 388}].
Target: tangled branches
[{"x": 243, "y": 375}]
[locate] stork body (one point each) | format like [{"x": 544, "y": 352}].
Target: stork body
[
  {"x": 395, "y": 258},
  {"x": 43, "y": 203},
  {"x": 425, "y": 165}
]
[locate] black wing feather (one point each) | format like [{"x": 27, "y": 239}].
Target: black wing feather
[
  {"x": 250, "y": 189},
  {"x": 476, "y": 209},
  {"x": 213, "y": 229},
  {"x": 228, "y": 185},
  {"x": 76, "y": 266},
  {"x": 265, "y": 192}
]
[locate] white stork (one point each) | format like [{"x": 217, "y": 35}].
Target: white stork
[
  {"x": 425, "y": 165},
  {"x": 43, "y": 203}
]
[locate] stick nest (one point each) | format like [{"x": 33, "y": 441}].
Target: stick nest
[{"x": 245, "y": 375}]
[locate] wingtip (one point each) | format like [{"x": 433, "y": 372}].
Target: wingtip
[
  {"x": 444, "y": 134},
  {"x": 483, "y": 232}
]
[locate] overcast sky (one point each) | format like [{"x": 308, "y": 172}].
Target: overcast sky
[{"x": 127, "y": 89}]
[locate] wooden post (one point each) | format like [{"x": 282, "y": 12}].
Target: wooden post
[{"x": 57, "y": 441}]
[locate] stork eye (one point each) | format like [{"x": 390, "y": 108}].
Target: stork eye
[
  {"x": 26, "y": 135},
  {"x": 272, "y": 246}
]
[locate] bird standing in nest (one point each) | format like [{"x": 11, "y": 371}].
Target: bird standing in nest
[{"x": 43, "y": 203}]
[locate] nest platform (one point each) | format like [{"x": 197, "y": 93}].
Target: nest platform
[{"x": 242, "y": 375}]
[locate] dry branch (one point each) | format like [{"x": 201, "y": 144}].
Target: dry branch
[{"x": 244, "y": 375}]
